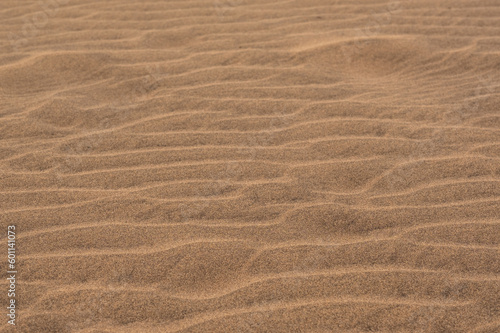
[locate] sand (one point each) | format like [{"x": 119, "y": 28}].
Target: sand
[{"x": 251, "y": 166}]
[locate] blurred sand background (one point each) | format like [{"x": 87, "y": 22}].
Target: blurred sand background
[{"x": 252, "y": 166}]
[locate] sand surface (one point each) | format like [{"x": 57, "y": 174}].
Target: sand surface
[{"x": 251, "y": 166}]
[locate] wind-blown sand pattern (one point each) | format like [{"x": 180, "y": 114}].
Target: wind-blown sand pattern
[{"x": 251, "y": 166}]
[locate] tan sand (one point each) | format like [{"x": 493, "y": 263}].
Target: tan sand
[{"x": 251, "y": 166}]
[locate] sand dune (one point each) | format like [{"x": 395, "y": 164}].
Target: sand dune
[{"x": 251, "y": 166}]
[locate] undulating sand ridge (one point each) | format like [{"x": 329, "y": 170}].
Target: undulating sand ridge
[{"x": 252, "y": 166}]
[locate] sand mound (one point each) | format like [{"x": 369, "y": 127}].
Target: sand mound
[{"x": 251, "y": 166}]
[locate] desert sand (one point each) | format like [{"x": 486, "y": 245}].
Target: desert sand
[{"x": 251, "y": 166}]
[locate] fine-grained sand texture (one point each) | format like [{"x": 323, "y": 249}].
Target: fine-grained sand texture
[{"x": 251, "y": 166}]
